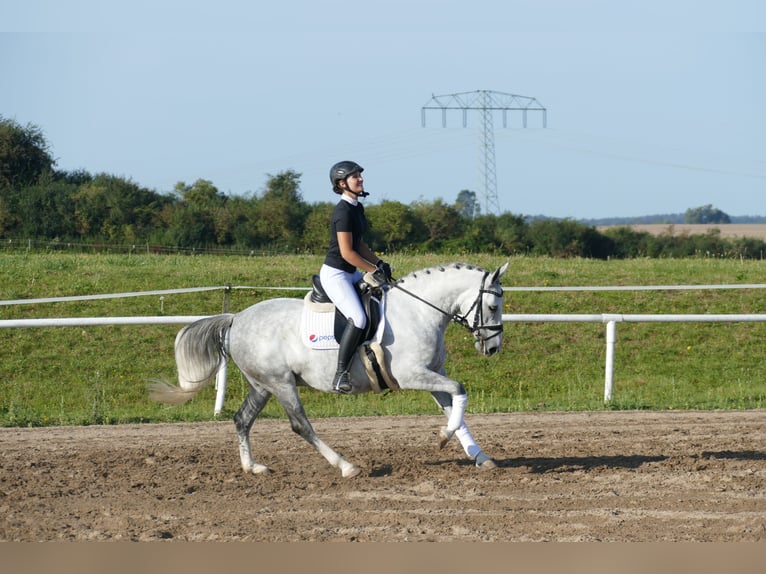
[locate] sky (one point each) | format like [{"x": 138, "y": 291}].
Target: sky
[{"x": 652, "y": 107}]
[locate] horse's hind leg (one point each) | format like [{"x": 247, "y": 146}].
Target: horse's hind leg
[
  {"x": 246, "y": 415},
  {"x": 474, "y": 452},
  {"x": 300, "y": 424}
]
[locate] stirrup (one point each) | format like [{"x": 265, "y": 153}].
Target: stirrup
[{"x": 342, "y": 385}]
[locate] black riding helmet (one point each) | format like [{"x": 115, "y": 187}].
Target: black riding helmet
[{"x": 340, "y": 171}]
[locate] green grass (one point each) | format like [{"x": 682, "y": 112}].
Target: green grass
[{"x": 98, "y": 375}]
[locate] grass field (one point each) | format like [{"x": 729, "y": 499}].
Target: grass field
[{"x": 98, "y": 375}]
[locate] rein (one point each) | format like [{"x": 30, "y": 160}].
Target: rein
[{"x": 462, "y": 320}]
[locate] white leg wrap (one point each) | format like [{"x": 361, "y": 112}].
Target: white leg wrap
[
  {"x": 466, "y": 440},
  {"x": 455, "y": 420}
]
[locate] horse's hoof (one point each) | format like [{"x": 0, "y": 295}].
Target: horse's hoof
[
  {"x": 260, "y": 469},
  {"x": 351, "y": 471},
  {"x": 484, "y": 462},
  {"x": 444, "y": 437}
]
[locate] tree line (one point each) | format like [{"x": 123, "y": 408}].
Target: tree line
[{"x": 39, "y": 202}]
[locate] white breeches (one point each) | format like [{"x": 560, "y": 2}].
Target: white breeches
[{"x": 339, "y": 286}]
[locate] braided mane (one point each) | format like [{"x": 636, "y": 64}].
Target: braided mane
[{"x": 439, "y": 269}]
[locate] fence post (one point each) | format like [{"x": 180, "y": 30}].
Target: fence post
[
  {"x": 611, "y": 339},
  {"x": 220, "y": 385},
  {"x": 220, "y": 378},
  {"x": 226, "y": 297}
]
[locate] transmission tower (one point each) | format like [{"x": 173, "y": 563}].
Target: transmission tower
[{"x": 487, "y": 103}]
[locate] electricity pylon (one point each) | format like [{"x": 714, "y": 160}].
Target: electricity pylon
[{"x": 487, "y": 102}]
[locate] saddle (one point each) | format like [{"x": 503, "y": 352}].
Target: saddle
[
  {"x": 370, "y": 351},
  {"x": 369, "y": 296}
]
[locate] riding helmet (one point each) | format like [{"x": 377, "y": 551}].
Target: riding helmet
[{"x": 341, "y": 170}]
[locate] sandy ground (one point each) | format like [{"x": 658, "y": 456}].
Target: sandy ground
[{"x": 606, "y": 476}]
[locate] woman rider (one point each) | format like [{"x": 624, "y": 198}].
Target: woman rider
[{"x": 347, "y": 255}]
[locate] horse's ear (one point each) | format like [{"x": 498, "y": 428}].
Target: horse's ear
[{"x": 499, "y": 273}]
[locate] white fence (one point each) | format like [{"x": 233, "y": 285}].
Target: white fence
[{"x": 610, "y": 319}]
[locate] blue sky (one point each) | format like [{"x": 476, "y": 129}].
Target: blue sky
[{"x": 653, "y": 106}]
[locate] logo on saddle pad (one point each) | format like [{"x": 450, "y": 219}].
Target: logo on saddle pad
[{"x": 317, "y": 341}]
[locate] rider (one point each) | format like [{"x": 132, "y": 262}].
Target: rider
[{"x": 347, "y": 254}]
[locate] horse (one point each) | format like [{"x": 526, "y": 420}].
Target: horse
[{"x": 263, "y": 341}]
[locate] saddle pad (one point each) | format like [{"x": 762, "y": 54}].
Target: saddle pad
[
  {"x": 318, "y": 329},
  {"x": 318, "y": 325}
]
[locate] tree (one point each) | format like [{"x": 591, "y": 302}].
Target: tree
[
  {"x": 280, "y": 211},
  {"x": 284, "y": 186},
  {"x": 629, "y": 243},
  {"x": 391, "y": 224},
  {"x": 232, "y": 223},
  {"x": 479, "y": 236},
  {"x": 77, "y": 177},
  {"x": 108, "y": 207},
  {"x": 316, "y": 229},
  {"x": 47, "y": 211},
  {"x": 490, "y": 232},
  {"x": 193, "y": 223},
  {"x": 24, "y": 155},
  {"x": 466, "y": 204},
  {"x": 7, "y": 219},
  {"x": 567, "y": 238},
  {"x": 202, "y": 195},
  {"x": 706, "y": 214},
  {"x": 440, "y": 221},
  {"x": 511, "y": 233}
]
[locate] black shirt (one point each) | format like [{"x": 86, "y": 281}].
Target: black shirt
[{"x": 345, "y": 217}]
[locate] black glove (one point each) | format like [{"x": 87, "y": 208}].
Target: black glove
[{"x": 385, "y": 269}]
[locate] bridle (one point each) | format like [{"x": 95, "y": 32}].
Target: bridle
[{"x": 462, "y": 320}]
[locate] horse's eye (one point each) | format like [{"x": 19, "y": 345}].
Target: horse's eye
[{"x": 493, "y": 308}]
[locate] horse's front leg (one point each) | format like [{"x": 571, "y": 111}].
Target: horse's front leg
[
  {"x": 438, "y": 382},
  {"x": 453, "y": 395},
  {"x": 474, "y": 452}
]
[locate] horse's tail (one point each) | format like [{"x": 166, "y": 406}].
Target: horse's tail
[{"x": 199, "y": 349}]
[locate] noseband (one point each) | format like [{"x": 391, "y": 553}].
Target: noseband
[{"x": 478, "y": 316}]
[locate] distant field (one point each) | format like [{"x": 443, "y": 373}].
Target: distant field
[{"x": 731, "y": 230}]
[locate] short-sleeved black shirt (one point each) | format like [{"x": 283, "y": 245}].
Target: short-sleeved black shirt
[{"x": 345, "y": 217}]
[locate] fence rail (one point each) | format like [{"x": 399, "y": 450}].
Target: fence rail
[{"x": 610, "y": 319}]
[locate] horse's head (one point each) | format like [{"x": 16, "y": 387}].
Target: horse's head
[
  {"x": 458, "y": 299},
  {"x": 486, "y": 324}
]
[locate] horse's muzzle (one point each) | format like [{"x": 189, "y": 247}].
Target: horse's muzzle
[
  {"x": 489, "y": 351},
  {"x": 488, "y": 348}
]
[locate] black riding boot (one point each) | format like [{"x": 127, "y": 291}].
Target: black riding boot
[{"x": 349, "y": 341}]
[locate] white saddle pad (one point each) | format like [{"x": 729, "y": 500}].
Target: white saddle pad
[{"x": 318, "y": 325}]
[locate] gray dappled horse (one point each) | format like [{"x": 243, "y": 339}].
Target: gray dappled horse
[{"x": 263, "y": 341}]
